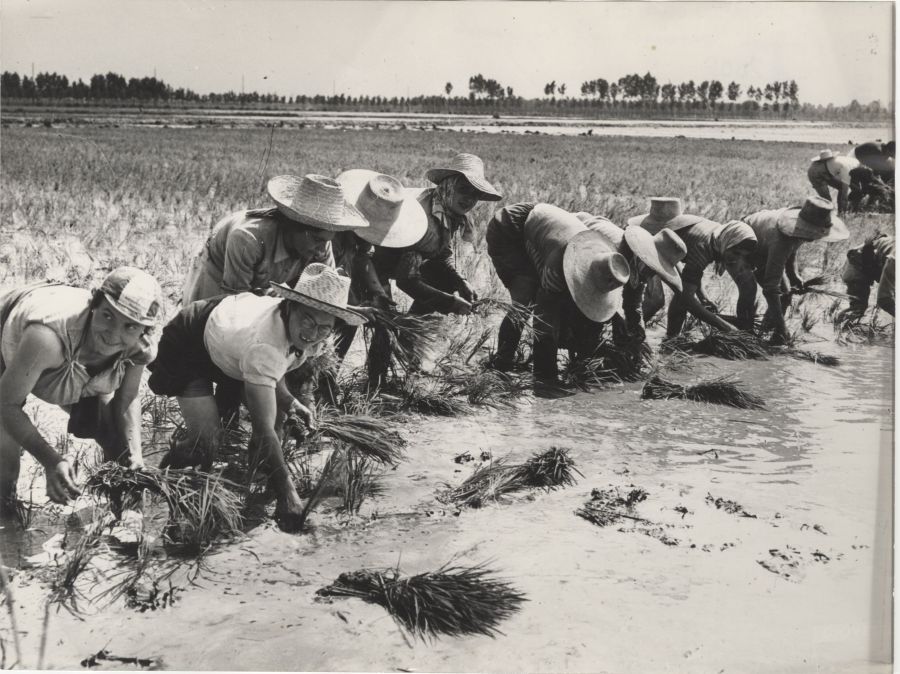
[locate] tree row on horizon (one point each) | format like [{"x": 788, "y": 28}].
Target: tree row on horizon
[{"x": 628, "y": 92}]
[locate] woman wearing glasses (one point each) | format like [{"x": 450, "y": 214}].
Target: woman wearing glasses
[{"x": 249, "y": 342}]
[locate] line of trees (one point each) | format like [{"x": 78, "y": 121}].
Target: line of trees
[
  {"x": 708, "y": 92},
  {"x": 631, "y": 96}
]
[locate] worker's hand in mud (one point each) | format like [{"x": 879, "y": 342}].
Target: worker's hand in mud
[
  {"x": 384, "y": 303},
  {"x": 461, "y": 306},
  {"x": 778, "y": 339},
  {"x": 61, "y": 483},
  {"x": 304, "y": 414},
  {"x": 467, "y": 292}
]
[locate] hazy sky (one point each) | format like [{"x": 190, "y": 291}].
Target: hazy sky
[{"x": 837, "y": 51}]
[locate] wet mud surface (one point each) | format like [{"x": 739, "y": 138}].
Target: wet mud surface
[{"x": 716, "y": 539}]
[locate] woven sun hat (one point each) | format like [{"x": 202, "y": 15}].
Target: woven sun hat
[
  {"x": 595, "y": 274},
  {"x": 660, "y": 252},
  {"x": 472, "y": 168},
  {"x": 823, "y": 155},
  {"x": 665, "y": 212},
  {"x": 133, "y": 293},
  {"x": 317, "y": 201},
  {"x": 396, "y": 219},
  {"x": 321, "y": 287},
  {"x": 814, "y": 221}
]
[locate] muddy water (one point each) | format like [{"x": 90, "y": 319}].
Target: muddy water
[{"x": 802, "y": 585}]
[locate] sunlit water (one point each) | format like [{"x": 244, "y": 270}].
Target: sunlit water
[{"x": 811, "y": 468}]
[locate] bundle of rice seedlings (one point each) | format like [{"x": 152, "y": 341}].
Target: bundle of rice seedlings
[
  {"x": 548, "y": 470},
  {"x": 490, "y": 388},
  {"x": 315, "y": 496},
  {"x": 453, "y": 600},
  {"x": 412, "y": 337},
  {"x": 736, "y": 345},
  {"x": 682, "y": 342},
  {"x": 425, "y": 395},
  {"x": 202, "y": 507},
  {"x": 721, "y": 391},
  {"x": 371, "y": 436},
  {"x": 609, "y": 363},
  {"x": 812, "y": 356}
]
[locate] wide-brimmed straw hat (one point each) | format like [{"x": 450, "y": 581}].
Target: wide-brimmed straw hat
[
  {"x": 814, "y": 221},
  {"x": 321, "y": 287},
  {"x": 396, "y": 219},
  {"x": 664, "y": 212},
  {"x": 823, "y": 155},
  {"x": 660, "y": 252},
  {"x": 133, "y": 293},
  {"x": 317, "y": 201},
  {"x": 595, "y": 274},
  {"x": 472, "y": 168}
]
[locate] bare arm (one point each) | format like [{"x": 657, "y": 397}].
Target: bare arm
[
  {"x": 126, "y": 410},
  {"x": 38, "y": 351},
  {"x": 689, "y": 297}
]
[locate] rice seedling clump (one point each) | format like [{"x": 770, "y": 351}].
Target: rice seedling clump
[
  {"x": 721, "y": 391},
  {"x": 454, "y": 600}
]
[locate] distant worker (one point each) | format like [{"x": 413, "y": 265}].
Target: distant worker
[
  {"x": 872, "y": 182},
  {"x": 779, "y": 234},
  {"x": 831, "y": 170},
  {"x": 249, "y": 248},
  {"x": 872, "y": 262}
]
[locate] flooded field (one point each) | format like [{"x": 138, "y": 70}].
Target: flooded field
[
  {"x": 712, "y": 128},
  {"x": 764, "y": 541},
  {"x": 793, "y": 576}
]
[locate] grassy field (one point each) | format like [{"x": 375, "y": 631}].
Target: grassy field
[{"x": 78, "y": 202}]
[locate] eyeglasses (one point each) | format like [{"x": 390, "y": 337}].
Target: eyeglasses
[{"x": 311, "y": 330}]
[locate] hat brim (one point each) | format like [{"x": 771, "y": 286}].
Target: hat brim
[
  {"x": 640, "y": 241},
  {"x": 791, "y": 224},
  {"x": 128, "y": 314},
  {"x": 406, "y": 229},
  {"x": 598, "y": 305},
  {"x": 654, "y": 226},
  {"x": 487, "y": 192},
  {"x": 349, "y": 317},
  {"x": 282, "y": 190}
]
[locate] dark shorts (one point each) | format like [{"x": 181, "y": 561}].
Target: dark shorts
[
  {"x": 182, "y": 358},
  {"x": 507, "y": 251}
]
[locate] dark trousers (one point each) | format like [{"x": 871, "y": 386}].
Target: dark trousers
[{"x": 561, "y": 325}]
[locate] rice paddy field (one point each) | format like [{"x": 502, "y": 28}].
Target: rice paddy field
[{"x": 680, "y": 536}]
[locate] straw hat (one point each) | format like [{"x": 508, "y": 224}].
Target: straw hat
[
  {"x": 396, "y": 219},
  {"x": 317, "y": 201},
  {"x": 133, "y": 293},
  {"x": 823, "y": 155},
  {"x": 321, "y": 287},
  {"x": 595, "y": 274},
  {"x": 472, "y": 168},
  {"x": 664, "y": 212},
  {"x": 815, "y": 220},
  {"x": 661, "y": 252}
]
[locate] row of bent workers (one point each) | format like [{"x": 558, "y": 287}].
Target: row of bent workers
[{"x": 271, "y": 286}]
